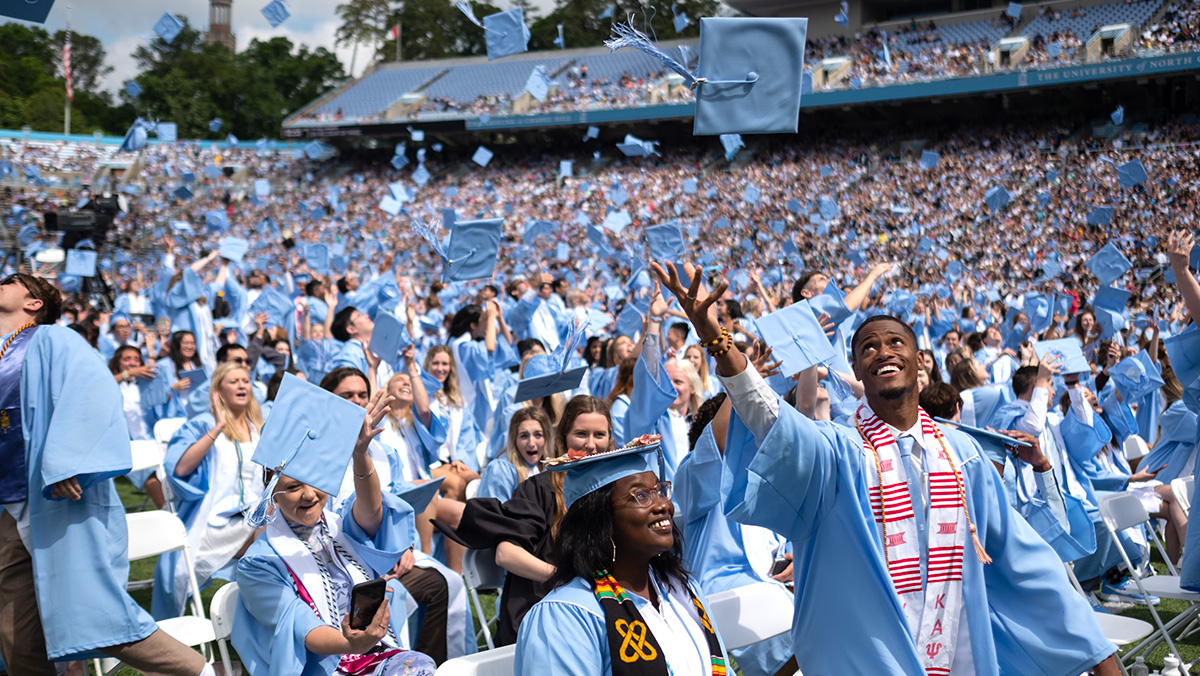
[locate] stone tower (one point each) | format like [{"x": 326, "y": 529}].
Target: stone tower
[{"x": 220, "y": 18}]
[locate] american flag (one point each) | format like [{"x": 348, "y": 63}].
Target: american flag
[{"x": 66, "y": 59}]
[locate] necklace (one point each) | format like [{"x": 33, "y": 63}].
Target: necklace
[{"x": 7, "y": 343}]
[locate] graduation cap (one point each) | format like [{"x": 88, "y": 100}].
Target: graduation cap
[
  {"x": 135, "y": 139},
  {"x": 545, "y": 375},
  {"x": 996, "y": 198},
  {"x": 636, "y": 147},
  {"x": 317, "y": 256},
  {"x": 750, "y": 195},
  {"x": 689, "y": 186},
  {"x": 993, "y": 444},
  {"x": 1136, "y": 376},
  {"x": 616, "y": 221},
  {"x": 592, "y": 132},
  {"x": 1131, "y": 173},
  {"x": 81, "y": 263},
  {"x": 234, "y": 248},
  {"x": 212, "y": 172},
  {"x": 482, "y": 156},
  {"x": 1109, "y": 264},
  {"x": 276, "y": 13},
  {"x": 132, "y": 89},
  {"x": 1014, "y": 10},
  {"x": 1100, "y": 216},
  {"x": 216, "y": 220},
  {"x": 590, "y": 473},
  {"x": 665, "y": 242},
  {"x": 389, "y": 337},
  {"x": 215, "y": 124},
  {"x": 390, "y": 205},
  {"x": 471, "y": 250},
  {"x": 748, "y": 77},
  {"x": 313, "y": 150},
  {"x": 538, "y": 85},
  {"x": 168, "y": 27},
  {"x": 399, "y": 162},
  {"x": 535, "y": 227},
  {"x": 843, "y": 15},
  {"x": 280, "y": 309},
  {"x": 1069, "y": 352},
  {"x": 929, "y": 159},
  {"x": 262, "y": 187},
  {"x": 566, "y": 168},
  {"x": 183, "y": 193},
  {"x": 1118, "y": 115},
  {"x": 796, "y": 337},
  {"x": 420, "y": 175},
  {"x": 309, "y": 436},
  {"x": 1184, "y": 350},
  {"x": 505, "y": 32},
  {"x": 832, "y": 303},
  {"x": 731, "y": 143},
  {"x": 1053, "y": 50},
  {"x": 828, "y": 207},
  {"x": 629, "y": 321}
]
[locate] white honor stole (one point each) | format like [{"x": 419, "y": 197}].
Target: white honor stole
[{"x": 933, "y": 605}]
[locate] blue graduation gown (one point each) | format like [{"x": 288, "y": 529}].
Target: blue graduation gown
[
  {"x": 499, "y": 479},
  {"x": 1177, "y": 443},
  {"x": 564, "y": 633},
  {"x": 271, "y": 622},
  {"x": 1189, "y": 565},
  {"x": 713, "y": 546},
  {"x": 807, "y": 481},
  {"x": 649, "y": 405},
  {"x": 74, "y": 426}
]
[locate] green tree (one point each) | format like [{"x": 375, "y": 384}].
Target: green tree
[
  {"x": 363, "y": 22},
  {"x": 582, "y": 26},
  {"x": 436, "y": 29},
  {"x": 87, "y": 59}
]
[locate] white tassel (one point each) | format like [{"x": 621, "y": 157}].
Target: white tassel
[{"x": 625, "y": 35}]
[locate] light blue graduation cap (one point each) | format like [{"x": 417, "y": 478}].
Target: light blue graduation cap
[
  {"x": 1109, "y": 264},
  {"x": 505, "y": 32},
  {"x": 1118, "y": 115},
  {"x": 1039, "y": 310},
  {"x": 1070, "y": 354},
  {"x": 279, "y": 308},
  {"x": 796, "y": 337},
  {"x": 81, "y": 263},
  {"x": 843, "y": 15},
  {"x": 830, "y": 302},
  {"x": 482, "y": 156},
  {"x": 566, "y": 168},
  {"x": 689, "y": 186},
  {"x": 214, "y": 125},
  {"x": 184, "y": 193},
  {"x": 313, "y": 150},
  {"x": 309, "y": 436},
  {"x": 168, "y": 27},
  {"x": 231, "y": 140},
  {"x": 132, "y": 89},
  {"x": 471, "y": 250},
  {"x": 188, "y": 177},
  {"x": 212, "y": 171},
  {"x": 1184, "y": 350},
  {"x": 234, "y": 248},
  {"x": 1100, "y": 216},
  {"x": 262, "y": 187},
  {"x": 390, "y": 205},
  {"x": 276, "y": 13},
  {"x": 135, "y": 138},
  {"x": 538, "y": 85},
  {"x": 1054, "y": 50},
  {"x": 216, "y": 219},
  {"x": 535, "y": 228},
  {"x": 389, "y": 337},
  {"x": 1014, "y": 10},
  {"x": 665, "y": 242},
  {"x": 996, "y": 198},
  {"x": 636, "y": 147},
  {"x": 616, "y": 221},
  {"x": 750, "y": 195},
  {"x": 681, "y": 20},
  {"x": 1131, "y": 173},
  {"x": 993, "y": 444},
  {"x": 594, "y": 472},
  {"x": 929, "y": 159},
  {"x": 420, "y": 175},
  {"x": 629, "y": 321},
  {"x": 317, "y": 257},
  {"x": 547, "y": 374},
  {"x": 731, "y": 143},
  {"x": 1136, "y": 376}
]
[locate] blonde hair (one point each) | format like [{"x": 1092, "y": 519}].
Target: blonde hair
[
  {"x": 693, "y": 378},
  {"x": 449, "y": 394},
  {"x": 514, "y": 425},
  {"x": 253, "y": 413},
  {"x": 703, "y": 370},
  {"x": 399, "y": 415}
]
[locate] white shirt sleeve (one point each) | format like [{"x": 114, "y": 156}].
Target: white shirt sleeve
[
  {"x": 1034, "y": 420},
  {"x": 1079, "y": 406},
  {"x": 1047, "y": 483},
  {"x": 755, "y": 402}
]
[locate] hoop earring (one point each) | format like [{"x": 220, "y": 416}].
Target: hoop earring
[{"x": 614, "y": 556}]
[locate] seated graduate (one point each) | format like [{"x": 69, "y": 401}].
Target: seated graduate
[
  {"x": 127, "y": 368},
  {"x": 1002, "y": 601},
  {"x": 214, "y": 482},
  {"x": 622, "y": 600},
  {"x": 524, "y": 528},
  {"x": 528, "y": 434},
  {"x": 295, "y": 582}
]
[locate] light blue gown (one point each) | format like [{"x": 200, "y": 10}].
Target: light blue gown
[
  {"x": 713, "y": 546},
  {"x": 564, "y": 633},
  {"x": 499, "y": 479},
  {"x": 807, "y": 481},
  {"x": 649, "y": 405},
  {"x": 1176, "y": 444},
  {"x": 74, "y": 426}
]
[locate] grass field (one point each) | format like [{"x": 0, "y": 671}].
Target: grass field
[{"x": 144, "y": 569}]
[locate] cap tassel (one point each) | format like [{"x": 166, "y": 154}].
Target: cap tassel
[
  {"x": 465, "y": 8},
  {"x": 265, "y": 511},
  {"x": 980, "y": 553},
  {"x": 628, "y": 36}
]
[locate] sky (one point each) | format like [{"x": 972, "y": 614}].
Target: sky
[{"x": 122, "y": 25}]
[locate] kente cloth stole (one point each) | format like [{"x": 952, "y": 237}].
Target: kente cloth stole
[
  {"x": 932, "y": 603},
  {"x": 632, "y": 648}
]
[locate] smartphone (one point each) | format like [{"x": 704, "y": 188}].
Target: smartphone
[
  {"x": 779, "y": 566},
  {"x": 364, "y": 602}
]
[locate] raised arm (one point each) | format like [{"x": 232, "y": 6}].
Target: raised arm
[
  {"x": 858, "y": 295},
  {"x": 419, "y": 394},
  {"x": 1179, "y": 249},
  {"x": 368, "y": 503}
]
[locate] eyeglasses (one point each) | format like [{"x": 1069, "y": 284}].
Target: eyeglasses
[
  {"x": 13, "y": 279},
  {"x": 240, "y": 361},
  {"x": 644, "y": 497}
]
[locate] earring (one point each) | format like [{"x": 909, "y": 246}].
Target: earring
[{"x": 614, "y": 544}]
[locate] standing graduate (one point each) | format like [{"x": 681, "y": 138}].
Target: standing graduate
[
  {"x": 980, "y": 594},
  {"x": 63, "y": 541}
]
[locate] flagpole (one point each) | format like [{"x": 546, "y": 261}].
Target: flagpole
[
  {"x": 398, "y": 31},
  {"x": 67, "y": 74}
]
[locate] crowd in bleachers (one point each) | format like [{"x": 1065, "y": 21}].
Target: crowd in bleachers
[{"x": 1176, "y": 31}]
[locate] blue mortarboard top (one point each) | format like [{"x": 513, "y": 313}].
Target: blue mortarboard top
[
  {"x": 544, "y": 375},
  {"x": 750, "y": 195},
  {"x": 1100, "y": 216},
  {"x": 390, "y": 205},
  {"x": 216, "y": 220},
  {"x": 276, "y": 13},
  {"x": 616, "y": 221},
  {"x": 1131, "y": 173},
  {"x": 184, "y": 193},
  {"x": 929, "y": 159},
  {"x": 505, "y": 32},
  {"x": 309, "y": 437},
  {"x": 796, "y": 337},
  {"x": 593, "y": 472},
  {"x": 1136, "y": 376},
  {"x": 681, "y": 21},
  {"x": 188, "y": 177},
  {"x": 279, "y": 308},
  {"x": 215, "y": 124},
  {"x": 471, "y": 250},
  {"x": 842, "y": 16},
  {"x": 155, "y": 391},
  {"x": 317, "y": 257},
  {"x": 262, "y": 187},
  {"x": 1184, "y": 350},
  {"x": 482, "y": 156},
  {"x": 389, "y": 337},
  {"x": 1072, "y": 359},
  {"x": 1053, "y": 50},
  {"x": 212, "y": 171},
  {"x": 996, "y": 198},
  {"x": 665, "y": 242},
  {"x": 167, "y": 131},
  {"x": 689, "y": 186},
  {"x": 535, "y": 227},
  {"x": 135, "y": 139},
  {"x": 831, "y": 302},
  {"x": 538, "y": 85},
  {"x": 419, "y": 496},
  {"x": 81, "y": 263},
  {"x": 27, "y": 11},
  {"x": 313, "y": 150},
  {"x": 1109, "y": 264},
  {"x": 1111, "y": 298},
  {"x": 399, "y": 162},
  {"x": 566, "y": 168},
  {"x": 132, "y": 89},
  {"x": 168, "y": 27},
  {"x": 992, "y": 443},
  {"x": 1118, "y": 115},
  {"x": 1014, "y": 10},
  {"x": 234, "y": 248}
]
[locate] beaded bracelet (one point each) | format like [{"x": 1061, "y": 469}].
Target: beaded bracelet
[
  {"x": 716, "y": 341},
  {"x": 718, "y": 353}
]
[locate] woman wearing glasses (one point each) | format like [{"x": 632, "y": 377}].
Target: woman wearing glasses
[
  {"x": 214, "y": 482},
  {"x": 622, "y": 602}
]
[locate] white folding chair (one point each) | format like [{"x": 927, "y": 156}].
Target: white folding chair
[
  {"x": 223, "y": 606},
  {"x": 146, "y": 454},
  {"x": 152, "y": 534},
  {"x": 471, "y": 489},
  {"x": 1124, "y": 510},
  {"x": 498, "y": 662},
  {"x": 1182, "y": 488},
  {"x": 480, "y": 573},
  {"x": 166, "y": 428},
  {"x": 1121, "y": 631},
  {"x": 747, "y": 615}
]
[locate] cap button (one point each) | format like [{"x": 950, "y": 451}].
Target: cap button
[{"x": 312, "y": 434}]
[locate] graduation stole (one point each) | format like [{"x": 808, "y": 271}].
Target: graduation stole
[
  {"x": 632, "y": 649},
  {"x": 933, "y": 605}
]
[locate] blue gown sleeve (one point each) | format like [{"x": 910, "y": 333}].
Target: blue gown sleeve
[
  {"x": 498, "y": 481},
  {"x": 477, "y": 361},
  {"x": 431, "y": 438},
  {"x": 620, "y": 414},
  {"x": 785, "y": 483},
  {"x": 698, "y": 483},
  {"x": 194, "y": 486},
  {"x": 652, "y": 394},
  {"x": 271, "y": 622},
  {"x": 561, "y": 638},
  {"x": 397, "y": 533}
]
